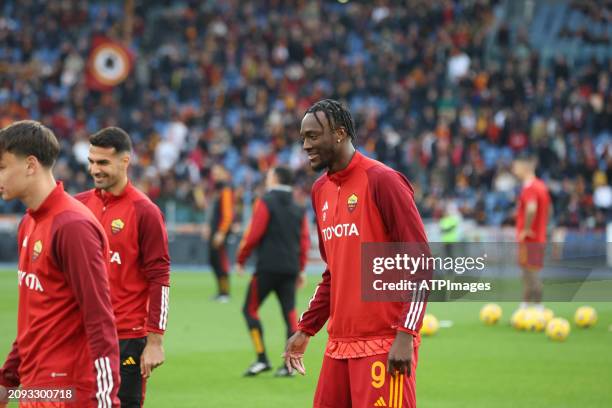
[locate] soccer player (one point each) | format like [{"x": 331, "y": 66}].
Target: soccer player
[
  {"x": 279, "y": 233},
  {"x": 371, "y": 355},
  {"x": 139, "y": 260},
  {"x": 531, "y": 222},
  {"x": 222, "y": 216},
  {"x": 66, "y": 333}
]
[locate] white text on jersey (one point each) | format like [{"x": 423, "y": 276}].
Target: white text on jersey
[
  {"x": 115, "y": 257},
  {"x": 339, "y": 231},
  {"x": 30, "y": 280}
]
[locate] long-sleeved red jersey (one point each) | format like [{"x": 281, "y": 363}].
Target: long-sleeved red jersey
[
  {"x": 139, "y": 259},
  {"x": 365, "y": 202},
  {"x": 66, "y": 334},
  {"x": 535, "y": 191}
]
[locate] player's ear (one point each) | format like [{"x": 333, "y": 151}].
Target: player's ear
[
  {"x": 341, "y": 134},
  {"x": 125, "y": 160},
  {"x": 31, "y": 164}
]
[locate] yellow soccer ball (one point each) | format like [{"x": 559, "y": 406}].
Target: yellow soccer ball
[
  {"x": 585, "y": 316},
  {"x": 534, "y": 320},
  {"x": 490, "y": 314},
  {"x": 548, "y": 315},
  {"x": 518, "y": 319},
  {"x": 430, "y": 325},
  {"x": 558, "y": 329}
]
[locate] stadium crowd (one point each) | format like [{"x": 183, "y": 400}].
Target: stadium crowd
[{"x": 440, "y": 91}]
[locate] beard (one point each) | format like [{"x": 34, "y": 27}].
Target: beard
[{"x": 104, "y": 182}]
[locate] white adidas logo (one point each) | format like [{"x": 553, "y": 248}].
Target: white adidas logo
[
  {"x": 325, "y": 208},
  {"x": 24, "y": 244}
]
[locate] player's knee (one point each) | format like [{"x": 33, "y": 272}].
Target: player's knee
[
  {"x": 131, "y": 391},
  {"x": 250, "y": 316},
  {"x": 245, "y": 311}
]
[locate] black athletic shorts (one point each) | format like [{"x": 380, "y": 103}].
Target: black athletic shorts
[{"x": 132, "y": 390}]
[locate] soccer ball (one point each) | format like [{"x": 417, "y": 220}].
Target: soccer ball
[
  {"x": 430, "y": 325},
  {"x": 490, "y": 314},
  {"x": 558, "y": 329},
  {"x": 585, "y": 317},
  {"x": 548, "y": 315},
  {"x": 534, "y": 320},
  {"x": 518, "y": 319}
]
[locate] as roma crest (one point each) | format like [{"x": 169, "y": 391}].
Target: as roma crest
[
  {"x": 117, "y": 225},
  {"x": 352, "y": 202},
  {"x": 38, "y": 247}
]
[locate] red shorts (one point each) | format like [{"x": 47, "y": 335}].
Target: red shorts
[
  {"x": 531, "y": 255},
  {"x": 364, "y": 383}
]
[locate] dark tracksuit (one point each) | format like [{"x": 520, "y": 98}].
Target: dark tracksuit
[{"x": 279, "y": 234}]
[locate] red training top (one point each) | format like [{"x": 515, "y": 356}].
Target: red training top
[
  {"x": 365, "y": 202},
  {"x": 139, "y": 259},
  {"x": 536, "y": 191},
  {"x": 66, "y": 334}
]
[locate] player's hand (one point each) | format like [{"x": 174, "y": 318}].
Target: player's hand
[
  {"x": 240, "y": 270},
  {"x": 218, "y": 239},
  {"x": 400, "y": 355},
  {"x": 294, "y": 352},
  {"x": 3, "y": 396},
  {"x": 525, "y": 234},
  {"x": 301, "y": 280},
  {"x": 152, "y": 355}
]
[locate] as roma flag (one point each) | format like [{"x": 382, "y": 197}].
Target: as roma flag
[{"x": 109, "y": 64}]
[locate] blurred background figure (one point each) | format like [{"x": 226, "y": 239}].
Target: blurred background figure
[
  {"x": 221, "y": 215},
  {"x": 450, "y": 236},
  {"x": 532, "y": 216},
  {"x": 279, "y": 235},
  {"x": 450, "y": 227}
]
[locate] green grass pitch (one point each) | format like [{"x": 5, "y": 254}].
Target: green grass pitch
[{"x": 466, "y": 365}]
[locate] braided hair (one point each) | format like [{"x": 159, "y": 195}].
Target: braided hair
[{"x": 337, "y": 115}]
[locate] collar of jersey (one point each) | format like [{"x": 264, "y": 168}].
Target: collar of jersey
[
  {"x": 110, "y": 198},
  {"x": 49, "y": 202},
  {"x": 529, "y": 182},
  {"x": 340, "y": 176}
]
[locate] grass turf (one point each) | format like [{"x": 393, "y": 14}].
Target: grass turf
[{"x": 466, "y": 365}]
